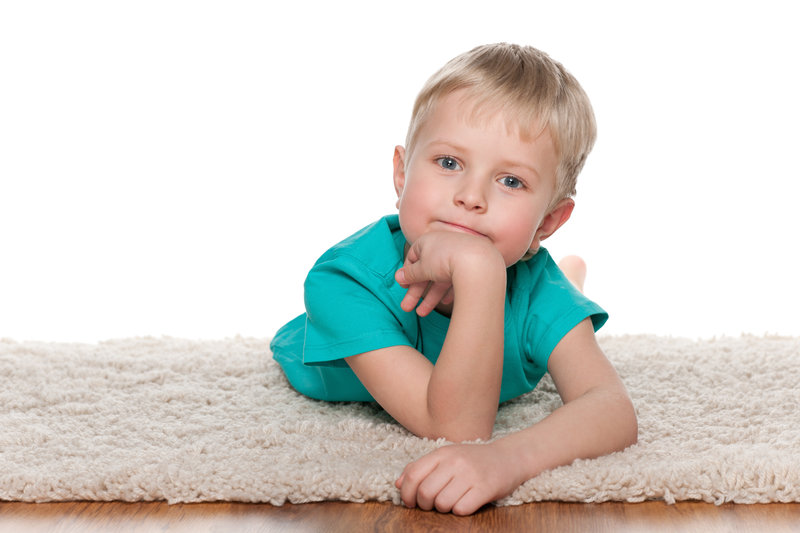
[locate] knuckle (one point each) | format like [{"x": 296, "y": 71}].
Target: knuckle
[
  {"x": 443, "y": 507},
  {"x": 413, "y": 478},
  {"x": 461, "y": 509},
  {"x": 425, "y": 494}
]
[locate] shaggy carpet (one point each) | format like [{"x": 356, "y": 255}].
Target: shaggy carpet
[{"x": 189, "y": 421}]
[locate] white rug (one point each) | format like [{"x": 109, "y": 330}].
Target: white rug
[{"x": 190, "y": 421}]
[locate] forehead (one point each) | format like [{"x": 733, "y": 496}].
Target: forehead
[
  {"x": 461, "y": 108},
  {"x": 487, "y": 112}
]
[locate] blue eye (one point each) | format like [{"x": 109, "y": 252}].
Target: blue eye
[
  {"x": 448, "y": 163},
  {"x": 511, "y": 182}
]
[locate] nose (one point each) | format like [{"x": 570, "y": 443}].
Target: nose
[{"x": 470, "y": 195}]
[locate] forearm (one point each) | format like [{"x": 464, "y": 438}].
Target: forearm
[
  {"x": 597, "y": 418},
  {"x": 456, "y": 398},
  {"x": 600, "y": 422},
  {"x": 464, "y": 386},
  {"x": 464, "y": 477}
]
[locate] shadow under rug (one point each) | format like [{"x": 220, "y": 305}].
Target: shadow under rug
[{"x": 190, "y": 421}]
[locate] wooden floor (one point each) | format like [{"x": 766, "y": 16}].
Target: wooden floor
[{"x": 88, "y": 517}]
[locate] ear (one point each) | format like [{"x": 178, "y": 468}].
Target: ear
[
  {"x": 399, "y": 170},
  {"x": 552, "y": 221}
]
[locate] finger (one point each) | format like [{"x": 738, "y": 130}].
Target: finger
[
  {"x": 413, "y": 296},
  {"x": 415, "y": 270},
  {"x": 414, "y": 474},
  {"x": 405, "y": 278},
  {"x": 449, "y": 296},
  {"x": 409, "y": 275},
  {"x": 430, "y": 488},
  {"x": 469, "y": 502},
  {"x": 412, "y": 255},
  {"x": 400, "y": 278},
  {"x": 432, "y": 298},
  {"x": 450, "y": 495}
]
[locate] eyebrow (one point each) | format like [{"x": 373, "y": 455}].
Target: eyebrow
[
  {"x": 448, "y": 144},
  {"x": 533, "y": 170}
]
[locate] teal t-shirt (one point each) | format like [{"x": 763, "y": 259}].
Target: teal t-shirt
[{"x": 353, "y": 306}]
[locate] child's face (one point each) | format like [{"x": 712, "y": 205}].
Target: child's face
[{"x": 479, "y": 177}]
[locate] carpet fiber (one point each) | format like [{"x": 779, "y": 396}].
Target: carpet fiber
[{"x": 190, "y": 421}]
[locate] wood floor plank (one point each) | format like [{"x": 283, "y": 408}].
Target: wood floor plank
[{"x": 335, "y": 517}]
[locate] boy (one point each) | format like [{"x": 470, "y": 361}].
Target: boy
[{"x": 496, "y": 141}]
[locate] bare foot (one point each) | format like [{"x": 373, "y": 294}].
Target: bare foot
[{"x": 575, "y": 269}]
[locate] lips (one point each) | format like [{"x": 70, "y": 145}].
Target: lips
[{"x": 453, "y": 226}]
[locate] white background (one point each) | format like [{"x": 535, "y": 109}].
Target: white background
[{"x": 174, "y": 168}]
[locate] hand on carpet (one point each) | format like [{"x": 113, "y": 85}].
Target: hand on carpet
[{"x": 459, "y": 478}]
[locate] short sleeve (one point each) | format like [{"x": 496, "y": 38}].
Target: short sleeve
[
  {"x": 554, "y": 308},
  {"x": 546, "y": 333},
  {"x": 350, "y": 310}
]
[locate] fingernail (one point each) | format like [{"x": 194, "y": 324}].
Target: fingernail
[{"x": 400, "y": 276}]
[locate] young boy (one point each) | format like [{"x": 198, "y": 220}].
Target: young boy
[{"x": 496, "y": 141}]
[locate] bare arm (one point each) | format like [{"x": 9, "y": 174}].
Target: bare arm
[
  {"x": 597, "y": 418},
  {"x": 457, "y": 398}
]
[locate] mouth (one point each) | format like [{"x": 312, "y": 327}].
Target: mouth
[{"x": 464, "y": 229}]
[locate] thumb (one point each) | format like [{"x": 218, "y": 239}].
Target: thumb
[
  {"x": 400, "y": 277},
  {"x": 410, "y": 274}
]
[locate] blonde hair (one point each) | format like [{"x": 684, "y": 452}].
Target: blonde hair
[{"x": 530, "y": 88}]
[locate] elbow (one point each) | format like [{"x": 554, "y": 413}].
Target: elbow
[
  {"x": 620, "y": 423},
  {"x": 634, "y": 432},
  {"x": 630, "y": 430},
  {"x": 631, "y": 436},
  {"x": 457, "y": 424}
]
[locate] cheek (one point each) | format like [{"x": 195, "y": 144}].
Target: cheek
[
  {"x": 524, "y": 239},
  {"x": 519, "y": 238},
  {"x": 415, "y": 198},
  {"x": 411, "y": 210}
]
